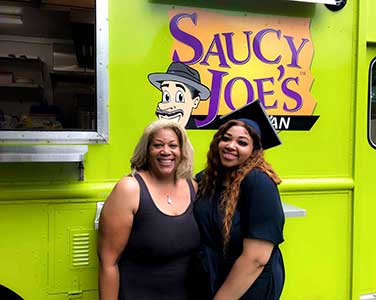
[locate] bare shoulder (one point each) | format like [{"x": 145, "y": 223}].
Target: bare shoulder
[
  {"x": 124, "y": 196},
  {"x": 127, "y": 184},
  {"x": 116, "y": 218}
]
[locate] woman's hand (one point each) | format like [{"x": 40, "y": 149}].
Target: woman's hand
[{"x": 246, "y": 269}]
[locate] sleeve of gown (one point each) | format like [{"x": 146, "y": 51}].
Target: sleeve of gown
[
  {"x": 198, "y": 176},
  {"x": 261, "y": 212}
]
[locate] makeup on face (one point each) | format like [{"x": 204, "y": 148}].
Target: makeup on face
[{"x": 235, "y": 146}]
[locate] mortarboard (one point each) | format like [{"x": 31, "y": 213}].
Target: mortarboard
[{"x": 254, "y": 115}]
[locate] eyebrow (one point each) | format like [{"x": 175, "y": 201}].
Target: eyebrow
[
  {"x": 181, "y": 86},
  {"x": 164, "y": 85},
  {"x": 239, "y": 137},
  {"x": 159, "y": 140}
]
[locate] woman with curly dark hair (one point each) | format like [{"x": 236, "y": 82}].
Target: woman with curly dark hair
[{"x": 240, "y": 215}]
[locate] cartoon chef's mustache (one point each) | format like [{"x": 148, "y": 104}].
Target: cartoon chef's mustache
[{"x": 168, "y": 113}]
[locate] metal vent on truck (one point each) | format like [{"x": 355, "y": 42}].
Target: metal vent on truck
[{"x": 80, "y": 247}]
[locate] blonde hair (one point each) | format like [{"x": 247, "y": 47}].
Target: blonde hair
[{"x": 140, "y": 157}]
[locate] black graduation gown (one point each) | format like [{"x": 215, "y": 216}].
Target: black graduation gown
[{"x": 258, "y": 215}]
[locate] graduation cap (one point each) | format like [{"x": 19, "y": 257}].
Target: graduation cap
[{"x": 255, "y": 116}]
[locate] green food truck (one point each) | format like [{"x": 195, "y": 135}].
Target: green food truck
[{"x": 75, "y": 97}]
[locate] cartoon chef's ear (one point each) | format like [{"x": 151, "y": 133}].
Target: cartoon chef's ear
[{"x": 196, "y": 102}]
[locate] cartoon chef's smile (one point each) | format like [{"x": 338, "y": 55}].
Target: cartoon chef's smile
[{"x": 169, "y": 113}]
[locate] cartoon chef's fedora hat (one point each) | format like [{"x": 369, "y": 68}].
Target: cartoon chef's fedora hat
[{"x": 180, "y": 72}]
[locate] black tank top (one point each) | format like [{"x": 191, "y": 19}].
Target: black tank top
[{"x": 155, "y": 263}]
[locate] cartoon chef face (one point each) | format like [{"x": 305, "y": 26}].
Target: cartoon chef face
[
  {"x": 178, "y": 101},
  {"x": 181, "y": 92}
]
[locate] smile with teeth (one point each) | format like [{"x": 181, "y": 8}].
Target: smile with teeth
[
  {"x": 165, "y": 162},
  {"x": 168, "y": 114}
]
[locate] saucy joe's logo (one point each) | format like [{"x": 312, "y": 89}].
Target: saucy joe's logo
[{"x": 244, "y": 58}]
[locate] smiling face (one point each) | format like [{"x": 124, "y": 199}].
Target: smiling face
[
  {"x": 164, "y": 153},
  {"x": 235, "y": 146},
  {"x": 177, "y": 102}
]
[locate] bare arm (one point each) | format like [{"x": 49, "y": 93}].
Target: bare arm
[
  {"x": 246, "y": 269},
  {"x": 114, "y": 228}
]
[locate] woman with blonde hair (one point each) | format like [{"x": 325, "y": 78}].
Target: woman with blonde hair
[
  {"x": 239, "y": 213},
  {"x": 147, "y": 232}
]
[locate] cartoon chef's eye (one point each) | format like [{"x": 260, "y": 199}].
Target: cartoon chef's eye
[
  {"x": 166, "y": 97},
  {"x": 179, "y": 97}
]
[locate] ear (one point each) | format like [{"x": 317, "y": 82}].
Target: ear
[{"x": 196, "y": 102}]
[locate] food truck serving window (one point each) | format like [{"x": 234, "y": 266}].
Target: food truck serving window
[{"x": 53, "y": 71}]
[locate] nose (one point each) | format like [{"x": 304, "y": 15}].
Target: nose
[
  {"x": 165, "y": 150},
  {"x": 230, "y": 145}
]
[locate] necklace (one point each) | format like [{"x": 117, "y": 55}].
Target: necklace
[{"x": 169, "y": 200}]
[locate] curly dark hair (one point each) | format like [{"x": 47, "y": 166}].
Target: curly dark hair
[{"x": 213, "y": 174}]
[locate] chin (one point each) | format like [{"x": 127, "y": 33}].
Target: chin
[
  {"x": 167, "y": 172},
  {"x": 229, "y": 164}
]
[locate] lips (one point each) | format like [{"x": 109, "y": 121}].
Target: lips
[{"x": 229, "y": 155}]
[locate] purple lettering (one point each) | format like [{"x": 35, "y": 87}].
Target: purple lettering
[
  {"x": 228, "y": 89},
  {"x": 295, "y": 52},
  {"x": 230, "y": 47},
  {"x": 257, "y": 46},
  {"x": 214, "y": 97},
  {"x": 186, "y": 38},
  {"x": 220, "y": 53},
  {"x": 261, "y": 92},
  {"x": 291, "y": 94}
]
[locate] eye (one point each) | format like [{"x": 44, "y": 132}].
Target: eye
[
  {"x": 166, "y": 97},
  {"x": 243, "y": 143},
  {"x": 157, "y": 145},
  {"x": 225, "y": 138},
  {"x": 174, "y": 146},
  {"x": 179, "y": 97}
]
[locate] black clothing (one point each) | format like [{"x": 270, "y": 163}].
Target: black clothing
[
  {"x": 155, "y": 263},
  {"x": 258, "y": 215}
]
